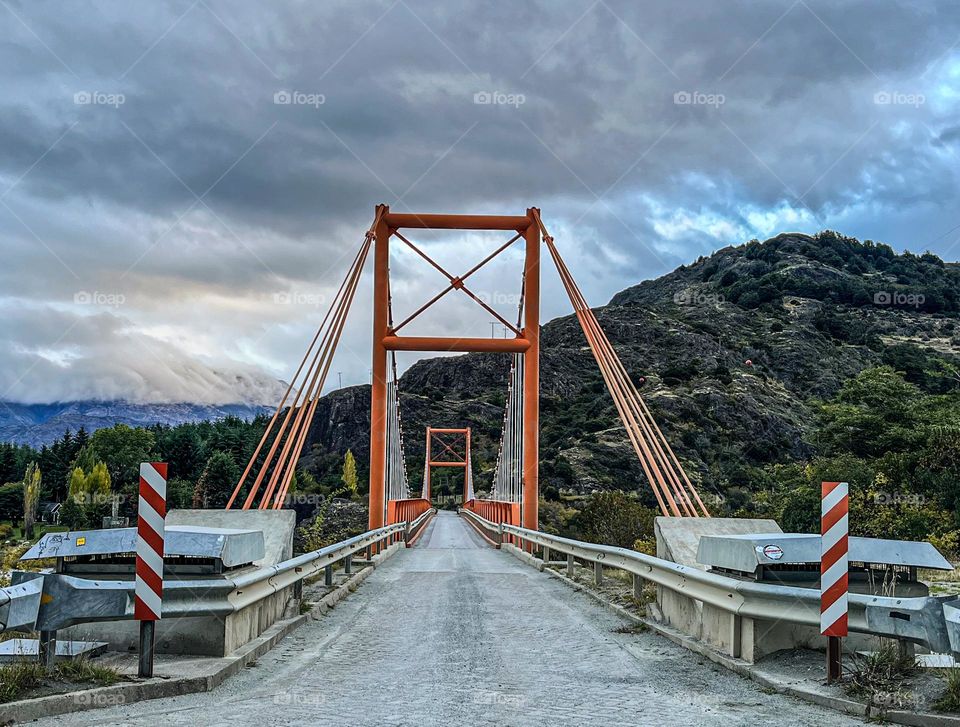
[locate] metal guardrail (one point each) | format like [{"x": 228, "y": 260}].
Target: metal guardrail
[
  {"x": 951, "y": 614},
  {"x": 19, "y": 604},
  {"x": 487, "y": 529},
  {"x": 918, "y": 620},
  {"x": 417, "y": 523},
  {"x": 69, "y": 600}
]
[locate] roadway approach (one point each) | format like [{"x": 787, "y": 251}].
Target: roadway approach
[{"x": 453, "y": 632}]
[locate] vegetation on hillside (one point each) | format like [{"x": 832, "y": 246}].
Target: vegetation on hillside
[{"x": 875, "y": 274}]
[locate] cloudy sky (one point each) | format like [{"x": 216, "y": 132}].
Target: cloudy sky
[{"x": 183, "y": 182}]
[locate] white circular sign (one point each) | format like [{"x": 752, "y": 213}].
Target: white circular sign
[{"x": 773, "y": 552}]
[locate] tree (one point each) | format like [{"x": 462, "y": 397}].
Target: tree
[
  {"x": 220, "y": 476},
  {"x": 88, "y": 491},
  {"x": 350, "y": 473},
  {"x": 182, "y": 449},
  {"x": 307, "y": 483},
  {"x": 31, "y": 498},
  {"x": 874, "y": 413},
  {"x": 74, "y": 516},
  {"x": 54, "y": 461},
  {"x": 90, "y": 488},
  {"x": 8, "y": 463},
  {"x": 179, "y": 493},
  {"x": 614, "y": 518},
  {"x": 123, "y": 448},
  {"x": 11, "y": 501}
]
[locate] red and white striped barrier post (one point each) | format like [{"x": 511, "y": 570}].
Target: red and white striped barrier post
[
  {"x": 148, "y": 591},
  {"x": 834, "y": 570}
]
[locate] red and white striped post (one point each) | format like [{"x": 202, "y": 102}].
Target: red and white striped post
[
  {"x": 834, "y": 570},
  {"x": 148, "y": 591}
]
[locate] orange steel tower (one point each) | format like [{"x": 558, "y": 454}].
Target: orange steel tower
[
  {"x": 526, "y": 340},
  {"x": 447, "y": 456}
]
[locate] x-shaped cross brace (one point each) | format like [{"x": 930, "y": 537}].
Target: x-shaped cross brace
[{"x": 456, "y": 283}]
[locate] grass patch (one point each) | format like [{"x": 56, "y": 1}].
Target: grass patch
[
  {"x": 880, "y": 678},
  {"x": 950, "y": 699},
  {"x": 305, "y": 607},
  {"x": 19, "y": 677},
  {"x": 85, "y": 671}
]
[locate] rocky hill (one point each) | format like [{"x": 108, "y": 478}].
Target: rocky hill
[{"x": 731, "y": 354}]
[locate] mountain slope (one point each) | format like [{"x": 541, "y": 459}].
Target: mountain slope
[{"x": 807, "y": 313}]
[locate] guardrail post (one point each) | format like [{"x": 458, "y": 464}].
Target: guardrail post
[
  {"x": 348, "y": 565},
  {"x": 47, "y": 652},
  {"x": 637, "y": 587},
  {"x": 834, "y": 656},
  {"x": 571, "y": 566},
  {"x": 499, "y": 535},
  {"x": 328, "y": 575},
  {"x": 147, "y": 645},
  {"x": 546, "y": 555},
  {"x": 370, "y": 552},
  {"x": 736, "y": 638},
  {"x": 597, "y": 573}
]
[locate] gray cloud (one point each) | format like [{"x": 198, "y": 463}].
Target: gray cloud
[{"x": 649, "y": 133}]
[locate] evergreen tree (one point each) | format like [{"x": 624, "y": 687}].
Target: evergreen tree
[
  {"x": 81, "y": 440},
  {"x": 182, "y": 449},
  {"x": 8, "y": 463},
  {"x": 220, "y": 476}
]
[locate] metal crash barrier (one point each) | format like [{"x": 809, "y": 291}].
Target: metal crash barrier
[
  {"x": 50, "y": 601},
  {"x": 919, "y": 620}
]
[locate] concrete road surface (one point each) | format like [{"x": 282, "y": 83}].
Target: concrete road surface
[{"x": 453, "y": 632}]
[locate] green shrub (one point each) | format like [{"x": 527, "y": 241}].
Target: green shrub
[
  {"x": 613, "y": 518},
  {"x": 950, "y": 699}
]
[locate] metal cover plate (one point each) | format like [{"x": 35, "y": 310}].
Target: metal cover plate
[
  {"x": 745, "y": 552},
  {"x": 232, "y": 547}
]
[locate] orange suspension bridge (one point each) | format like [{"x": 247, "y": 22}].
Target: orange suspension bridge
[{"x": 514, "y": 490}]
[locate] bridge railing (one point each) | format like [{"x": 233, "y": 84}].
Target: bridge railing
[
  {"x": 495, "y": 512},
  {"x": 399, "y": 511},
  {"x": 415, "y": 511},
  {"x": 487, "y": 529},
  {"x": 918, "y": 620},
  {"x": 52, "y": 601}
]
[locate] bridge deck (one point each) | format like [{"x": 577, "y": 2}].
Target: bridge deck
[{"x": 454, "y": 632}]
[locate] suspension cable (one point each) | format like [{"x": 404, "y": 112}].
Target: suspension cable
[
  {"x": 330, "y": 329},
  {"x": 290, "y": 455},
  {"x": 668, "y": 480},
  {"x": 507, "y": 474}
]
